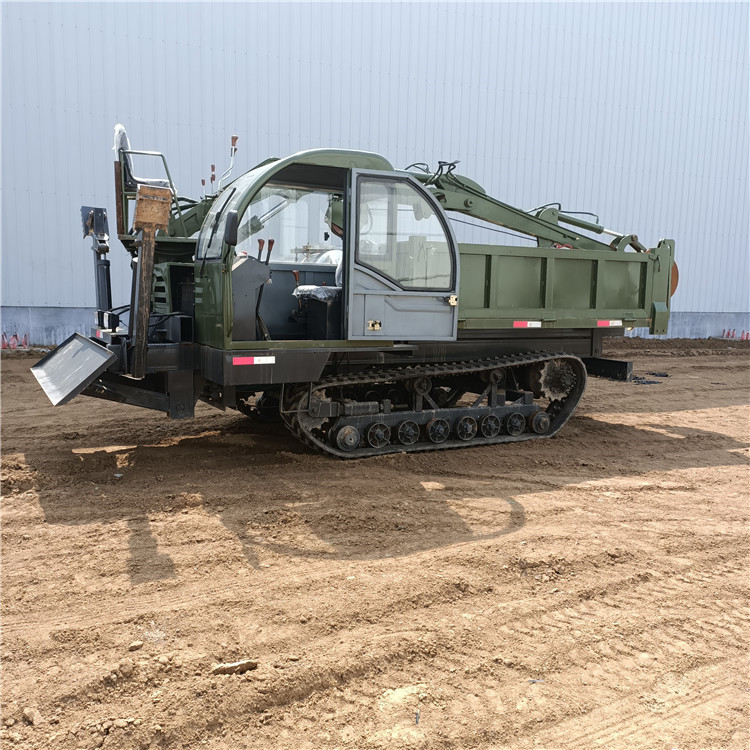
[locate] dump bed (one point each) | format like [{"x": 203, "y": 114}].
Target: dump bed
[{"x": 551, "y": 287}]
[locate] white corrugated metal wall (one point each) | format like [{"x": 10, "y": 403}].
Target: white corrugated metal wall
[{"x": 638, "y": 112}]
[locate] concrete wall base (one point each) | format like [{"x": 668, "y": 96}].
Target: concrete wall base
[
  {"x": 700, "y": 325},
  {"x": 49, "y": 326},
  {"x": 46, "y": 326}
]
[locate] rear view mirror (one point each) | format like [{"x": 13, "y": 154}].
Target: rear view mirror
[{"x": 230, "y": 228}]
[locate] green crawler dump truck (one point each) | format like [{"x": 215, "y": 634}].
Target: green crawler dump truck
[{"x": 327, "y": 290}]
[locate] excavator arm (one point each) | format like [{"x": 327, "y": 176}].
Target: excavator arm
[{"x": 462, "y": 195}]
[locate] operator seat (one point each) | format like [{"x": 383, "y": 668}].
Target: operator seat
[
  {"x": 323, "y": 293},
  {"x": 130, "y": 181}
]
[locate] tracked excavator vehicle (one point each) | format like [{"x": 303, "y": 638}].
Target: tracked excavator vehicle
[{"x": 327, "y": 289}]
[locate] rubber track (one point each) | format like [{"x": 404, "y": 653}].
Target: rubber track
[{"x": 559, "y": 411}]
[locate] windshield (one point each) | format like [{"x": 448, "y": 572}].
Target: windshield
[{"x": 305, "y": 224}]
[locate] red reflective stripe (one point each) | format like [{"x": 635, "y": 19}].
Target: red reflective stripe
[
  {"x": 264, "y": 360},
  {"x": 520, "y": 324}
]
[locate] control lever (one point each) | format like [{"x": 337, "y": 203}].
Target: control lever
[{"x": 261, "y": 324}]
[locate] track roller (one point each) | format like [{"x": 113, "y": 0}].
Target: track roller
[
  {"x": 490, "y": 426},
  {"x": 438, "y": 430},
  {"x": 466, "y": 428},
  {"x": 515, "y": 424},
  {"x": 379, "y": 435},
  {"x": 408, "y": 432}
]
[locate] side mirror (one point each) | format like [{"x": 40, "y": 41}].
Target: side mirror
[{"x": 230, "y": 228}]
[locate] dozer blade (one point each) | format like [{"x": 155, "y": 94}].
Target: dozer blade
[{"x": 67, "y": 370}]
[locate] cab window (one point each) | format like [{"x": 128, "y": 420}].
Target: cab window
[{"x": 400, "y": 236}]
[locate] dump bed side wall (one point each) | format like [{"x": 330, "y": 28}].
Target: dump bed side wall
[{"x": 547, "y": 287}]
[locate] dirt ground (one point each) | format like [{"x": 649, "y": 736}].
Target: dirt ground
[{"x": 584, "y": 591}]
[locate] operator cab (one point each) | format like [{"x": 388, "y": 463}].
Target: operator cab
[
  {"x": 330, "y": 253},
  {"x": 287, "y": 226}
]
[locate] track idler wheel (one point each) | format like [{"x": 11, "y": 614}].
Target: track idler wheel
[
  {"x": 408, "y": 432},
  {"x": 378, "y": 435},
  {"x": 438, "y": 430},
  {"x": 466, "y": 428},
  {"x": 540, "y": 422},
  {"x": 348, "y": 438},
  {"x": 515, "y": 424}
]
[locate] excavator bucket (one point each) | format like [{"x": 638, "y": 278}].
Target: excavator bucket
[{"x": 67, "y": 370}]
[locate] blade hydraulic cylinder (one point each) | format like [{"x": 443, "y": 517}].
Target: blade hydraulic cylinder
[{"x": 95, "y": 225}]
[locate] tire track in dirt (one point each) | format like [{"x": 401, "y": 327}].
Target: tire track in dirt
[
  {"x": 615, "y": 666},
  {"x": 621, "y": 725},
  {"x": 436, "y": 644},
  {"x": 630, "y": 594},
  {"x": 615, "y": 662},
  {"x": 476, "y": 571},
  {"x": 612, "y": 664},
  {"x": 302, "y": 680}
]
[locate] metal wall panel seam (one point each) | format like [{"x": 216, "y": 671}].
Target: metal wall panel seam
[{"x": 709, "y": 151}]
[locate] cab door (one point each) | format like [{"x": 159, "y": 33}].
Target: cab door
[{"x": 401, "y": 275}]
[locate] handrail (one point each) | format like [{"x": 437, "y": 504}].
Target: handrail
[{"x": 169, "y": 178}]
